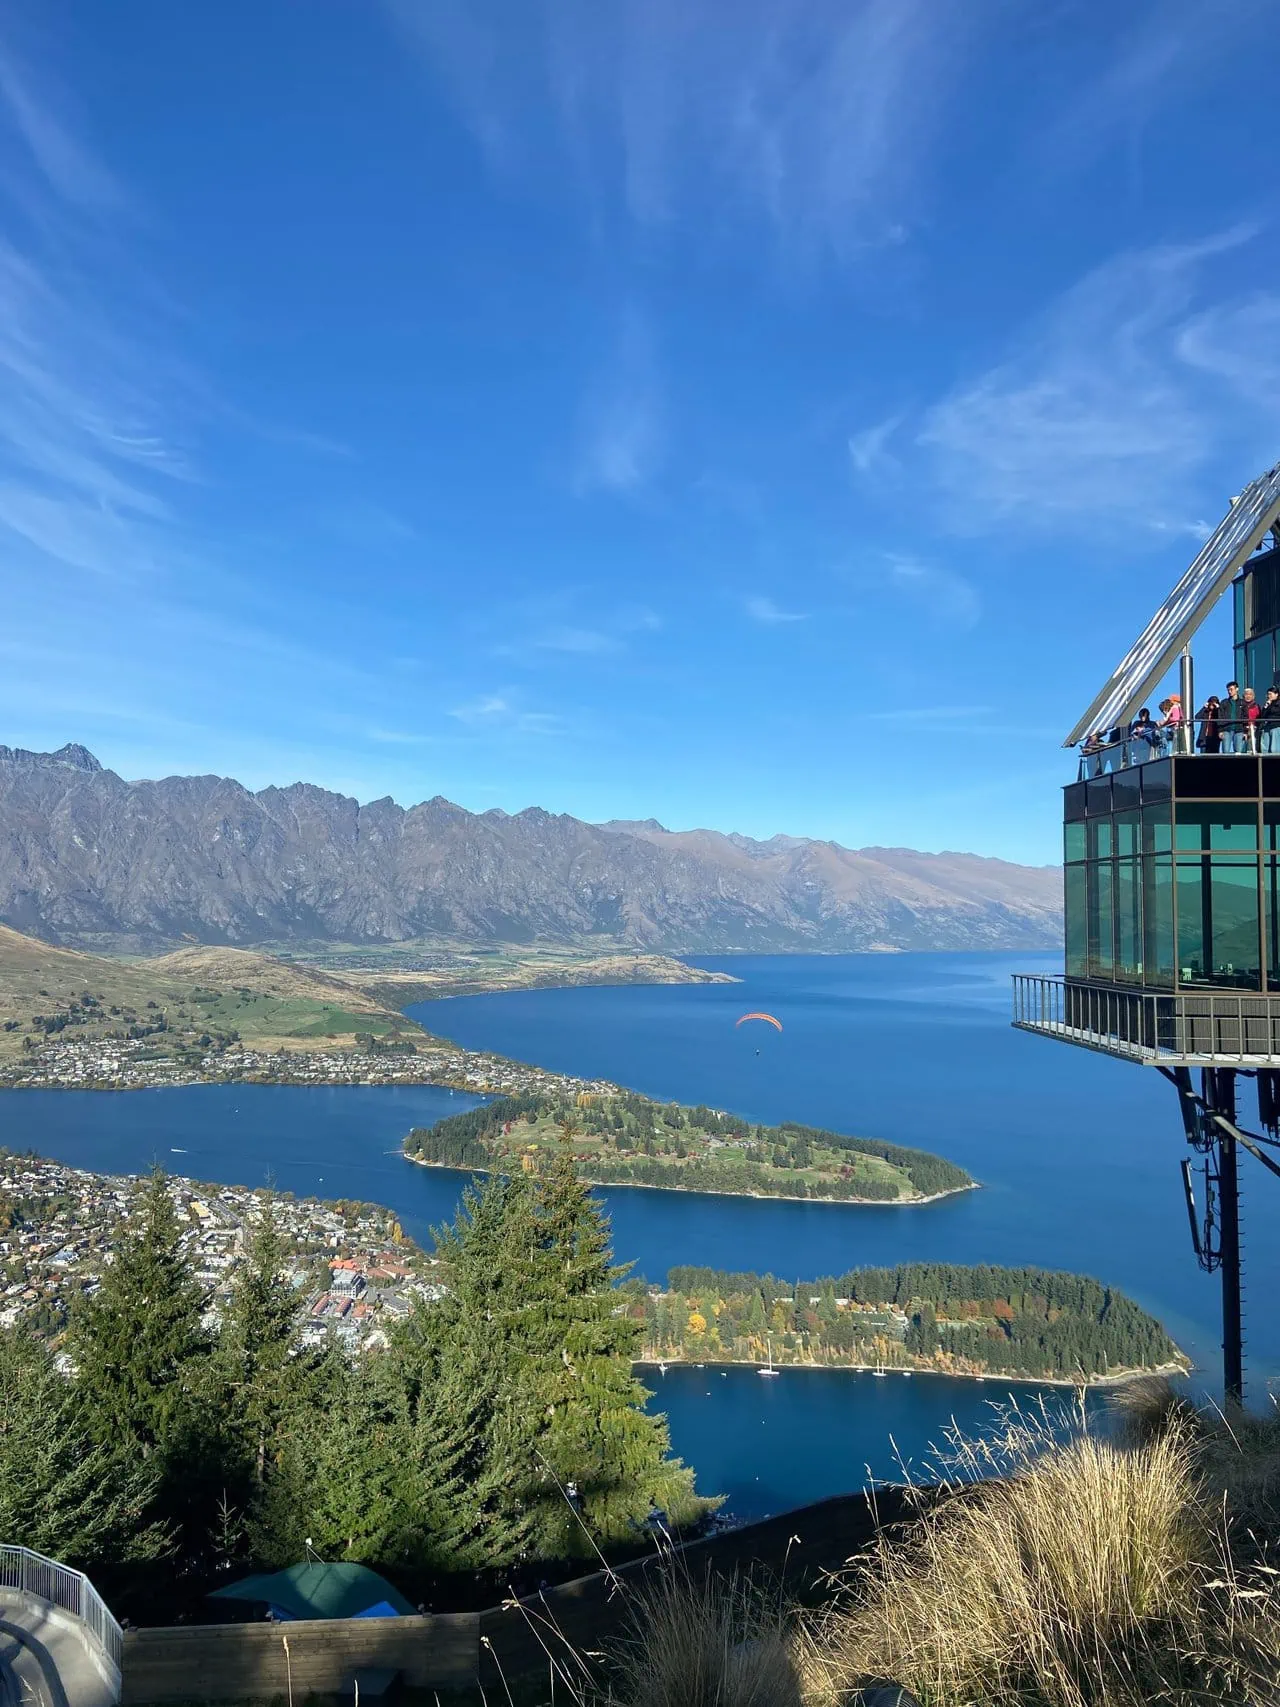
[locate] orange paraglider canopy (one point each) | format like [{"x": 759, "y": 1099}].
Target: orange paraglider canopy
[{"x": 768, "y": 1019}]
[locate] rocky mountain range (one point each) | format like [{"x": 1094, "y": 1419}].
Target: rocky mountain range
[{"x": 89, "y": 859}]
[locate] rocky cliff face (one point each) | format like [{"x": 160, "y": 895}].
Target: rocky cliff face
[{"x": 85, "y": 855}]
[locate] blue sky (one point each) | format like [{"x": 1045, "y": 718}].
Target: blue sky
[{"x": 777, "y": 417}]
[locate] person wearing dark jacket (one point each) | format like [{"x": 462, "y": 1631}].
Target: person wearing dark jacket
[
  {"x": 1144, "y": 738},
  {"x": 1269, "y": 722},
  {"x": 1231, "y": 720},
  {"x": 1210, "y": 737}
]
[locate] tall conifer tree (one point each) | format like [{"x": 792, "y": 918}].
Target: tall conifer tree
[
  {"x": 139, "y": 1343},
  {"x": 62, "y": 1492},
  {"x": 259, "y": 1341}
]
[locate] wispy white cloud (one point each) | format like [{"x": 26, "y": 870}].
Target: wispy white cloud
[
  {"x": 540, "y": 628},
  {"x": 1163, "y": 49},
  {"x": 401, "y": 737},
  {"x": 90, "y": 457},
  {"x": 1110, "y": 403},
  {"x": 499, "y": 712},
  {"x": 868, "y": 448},
  {"x": 762, "y": 609},
  {"x": 942, "y": 715},
  {"x": 586, "y": 642},
  {"x": 30, "y": 111},
  {"x": 813, "y": 119},
  {"x": 620, "y": 430},
  {"x": 944, "y": 598}
]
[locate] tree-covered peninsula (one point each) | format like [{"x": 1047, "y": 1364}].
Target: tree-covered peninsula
[
  {"x": 621, "y": 1138},
  {"x": 953, "y": 1320}
]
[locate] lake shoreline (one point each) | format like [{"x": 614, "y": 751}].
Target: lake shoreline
[
  {"x": 1118, "y": 1379},
  {"x": 710, "y": 1191}
]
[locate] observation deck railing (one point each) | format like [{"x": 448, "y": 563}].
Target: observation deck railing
[
  {"x": 1099, "y": 757},
  {"x": 1202, "y": 1028},
  {"x": 31, "y": 1574}
]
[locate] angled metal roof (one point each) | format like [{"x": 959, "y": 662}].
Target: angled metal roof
[{"x": 1236, "y": 538}]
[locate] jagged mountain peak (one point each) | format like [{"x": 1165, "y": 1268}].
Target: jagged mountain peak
[
  {"x": 71, "y": 757},
  {"x": 87, "y": 856}
]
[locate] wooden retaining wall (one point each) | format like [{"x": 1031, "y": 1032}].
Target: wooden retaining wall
[{"x": 236, "y": 1662}]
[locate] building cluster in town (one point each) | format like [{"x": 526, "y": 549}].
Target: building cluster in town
[
  {"x": 354, "y": 1272},
  {"x": 137, "y": 1064}
]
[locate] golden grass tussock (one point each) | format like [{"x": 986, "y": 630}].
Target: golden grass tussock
[
  {"x": 709, "y": 1642},
  {"x": 1095, "y": 1572}
]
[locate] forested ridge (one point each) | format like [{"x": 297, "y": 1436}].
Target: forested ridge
[
  {"x": 627, "y": 1139},
  {"x": 939, "y": 1316},
  {"x": 502, "y": 1426}
]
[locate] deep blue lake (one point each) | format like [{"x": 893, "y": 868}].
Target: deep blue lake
[{"x": 1078, "y": 1157}]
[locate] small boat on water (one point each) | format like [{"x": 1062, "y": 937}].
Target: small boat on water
[
  {"x": 879, "y": 1370},
  {"x": 662, "y": 1369},
  {"x": 768, "y": 1368}
]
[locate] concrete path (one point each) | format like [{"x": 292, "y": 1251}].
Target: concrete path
[{"x": 43, "y": 1662}]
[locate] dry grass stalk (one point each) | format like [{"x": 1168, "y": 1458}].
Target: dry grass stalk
[
  {"x": 706, "y": 1642},
  {"x": 1095, "y": 1574}
]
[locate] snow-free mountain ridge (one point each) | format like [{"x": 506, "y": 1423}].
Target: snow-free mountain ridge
[{"x": 87, "y": 857}]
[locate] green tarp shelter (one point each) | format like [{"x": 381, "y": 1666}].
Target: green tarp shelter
[{"x": 320, "y": 1591}]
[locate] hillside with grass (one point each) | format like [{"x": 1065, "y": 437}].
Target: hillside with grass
[
  {"x": 196, "y": 998},
  {"x": 625, "y": 1139}
]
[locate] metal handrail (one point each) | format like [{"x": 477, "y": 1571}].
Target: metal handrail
[
  {"x": 31, "y": 1573},
  {"x": 1151, "y": 1026},
  {"x": 1129, "y": 751}
]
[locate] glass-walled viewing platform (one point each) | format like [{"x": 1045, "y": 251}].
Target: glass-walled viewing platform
[{"x": 1172, "y": 874}]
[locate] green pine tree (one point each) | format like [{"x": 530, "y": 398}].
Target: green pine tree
[
  {"x": 259, "y": 1342},
  {"x": 148, "y": 1385},
  {"x": 139, "y": 1344},
  {"x": 606, "y": 1458},
  {"x": 61, "y": 1492},
  {"x": 343, "y": 1478}
]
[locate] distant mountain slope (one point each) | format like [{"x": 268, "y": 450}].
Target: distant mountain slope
[
  {"x": 88, "y": 857},
  {"x": 49, "y": 992}
]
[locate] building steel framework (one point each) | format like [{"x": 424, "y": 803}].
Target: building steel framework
[{"x": 1220, "y": 1035}]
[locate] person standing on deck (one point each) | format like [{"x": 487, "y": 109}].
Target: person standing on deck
[
  {"x": 1210, "y": 740},
  {"x": 1269, "y": 722},
  {"x": 1231, "y": 719}
]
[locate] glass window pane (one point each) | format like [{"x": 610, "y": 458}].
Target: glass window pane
[
  {"x": 1271, "y": 825},
  {"x": 1237, "y": 605},
  {"x": 1072, "y": 842},
  {"x": 1218, "y": 937},
  {"x": 1100, "y": 838},
  {"x": 1157, "y": 829},
  {"x": 1073, "y": 800},
  {"x": 1157, "y": 899},
  {"x": 1101, "y": 950},
  {"x": 1097, "y": 795},
  {"x": 1129, "y": 921},
  {"x": 1128, "y": 831},
  {"x": 1271, "y": 919},
  {"x": 1233, "y": 777},
  {"x": 1157, "y": 779},
  {"x": 1075, "y": 891},
  {"x": 1227, "y": 826},
  {"x": 1258, "y": 665},
  {"x": 1126, "y": 788}
]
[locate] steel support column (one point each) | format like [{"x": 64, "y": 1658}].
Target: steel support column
[{"x": 1219, "y": 1090}]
